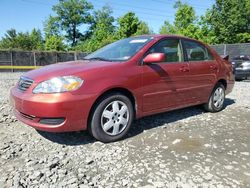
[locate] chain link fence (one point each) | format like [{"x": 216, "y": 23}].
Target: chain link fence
[
  {"x": 232, "y": 49},
  {"x": 13, "y": 60}
]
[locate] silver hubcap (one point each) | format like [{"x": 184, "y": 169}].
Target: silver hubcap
[
  {"x": 219, "y": 97},
  {"x": 115, "y": 118}
]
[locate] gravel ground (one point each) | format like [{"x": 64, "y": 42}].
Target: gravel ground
[{"x": 183, "y": 148}]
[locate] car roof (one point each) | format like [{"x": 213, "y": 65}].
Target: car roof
[{"x": 159, "y": 36}]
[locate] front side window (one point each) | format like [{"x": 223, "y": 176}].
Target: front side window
[
  {"x": 121, "y": 50},
  {"x": 196, "y": 51},
  {"x": 171, "y": 48}
]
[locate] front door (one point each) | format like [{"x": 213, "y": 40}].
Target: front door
[{"x": 164, "y": 83}]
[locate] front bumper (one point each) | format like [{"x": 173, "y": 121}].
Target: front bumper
[{"x": 60, "y": 112}]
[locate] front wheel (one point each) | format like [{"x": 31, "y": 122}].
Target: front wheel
[
  {"x": 217, "y": 99},
  {"x": 112, "y": 118}
]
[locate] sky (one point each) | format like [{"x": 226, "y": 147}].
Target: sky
[{"x": 24, "y": 15}]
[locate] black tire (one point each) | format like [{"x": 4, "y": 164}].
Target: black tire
[
  {"x": 211, "y": 106},
  {"x": 97, "y": 121}
]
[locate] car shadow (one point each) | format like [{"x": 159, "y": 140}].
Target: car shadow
[
  {"x": 68, "y": 138},
  {"x": 138, "y": 126},
  {"x": 166, "y": 118}
]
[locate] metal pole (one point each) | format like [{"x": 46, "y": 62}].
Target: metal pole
[
  {"x": 34, "y": 56},
  {"x": 11, "y": 61},
  {"x": 75, "y": 56},
  {"x": 225, "y": 49}
]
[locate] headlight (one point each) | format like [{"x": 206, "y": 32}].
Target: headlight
[{"x": 59, "y": 84}]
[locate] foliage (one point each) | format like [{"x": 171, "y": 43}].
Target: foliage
[
  {"x": 168, "y": 28},
  {"x": 51, "y": 27},
  {"x": 128, "y": 25},
  {"x": 23, "y": 41},
  {"x": 103, "y": 24},
  {"x": 70, "y": 15},
  {"x": 103, "y": 19},
  {"x": 185, "y": 22},
  {"x": 206, "y": 33},
  {"x": 243, "y": 37},
  {"x": 91, "y": 45},
  {"x": 184, "y": 16},
  {"x": 54, "y": 43},
  {"x": 74, "y": 26},
  {"x": 102, "y": 31},
  {"x": 143, "y": 29},
  {"x": 229, "y": 20},
  {"x": 36, "y": 40}
]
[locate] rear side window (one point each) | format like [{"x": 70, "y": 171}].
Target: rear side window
[
  {"x": 196, "y": 51},
  {"x": 171, "y": 48}
]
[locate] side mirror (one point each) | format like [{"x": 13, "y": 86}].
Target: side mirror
[{"x": 155, "y": 58}]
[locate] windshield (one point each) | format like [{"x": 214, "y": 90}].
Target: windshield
[{"x": 121, "y": 50}]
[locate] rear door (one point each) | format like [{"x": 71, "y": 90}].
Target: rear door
[
  {"x": 203, "y": 70},
  {"x": 164, "y": 84}
]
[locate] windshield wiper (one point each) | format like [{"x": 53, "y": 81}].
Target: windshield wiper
[{"x": 98, "y": 58}]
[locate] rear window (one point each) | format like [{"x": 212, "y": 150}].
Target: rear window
[{"x": 196, "y": 51}]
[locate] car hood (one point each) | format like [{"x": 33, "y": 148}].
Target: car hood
[{"x": 76, "y": 68}]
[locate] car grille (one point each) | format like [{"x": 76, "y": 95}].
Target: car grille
[{"x": 24, "y": 83}]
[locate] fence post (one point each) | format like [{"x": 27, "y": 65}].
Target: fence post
[
  {"x": 75, "y": 56},
  {"x": 225, "y": 49},
  {"x": 11, "y": 61},
  {"x": 34, "y": 56},
  {"x": 56, "y": 53}
]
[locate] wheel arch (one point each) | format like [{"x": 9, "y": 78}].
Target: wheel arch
[
  {"x": 116, "y": 90},
  {"x": 223, "y": 82}
]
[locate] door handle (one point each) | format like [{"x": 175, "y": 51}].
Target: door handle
[{"x": 184, "y": 69}]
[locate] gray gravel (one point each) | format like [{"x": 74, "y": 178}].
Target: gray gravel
[{"x": 183, "y": 148}]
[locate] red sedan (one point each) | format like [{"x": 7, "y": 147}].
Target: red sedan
[{"x": 131, "y": 78}]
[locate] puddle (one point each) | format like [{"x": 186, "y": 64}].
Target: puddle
[{"x": 186, "y": 144}]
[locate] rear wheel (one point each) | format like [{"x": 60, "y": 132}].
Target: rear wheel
[
  {"x": 217, "y": 99},
  {"x": 112, "y": 118}
]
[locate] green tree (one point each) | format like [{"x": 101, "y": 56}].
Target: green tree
[
  {"x": 184, "y": 16},
  {"x": 51, "y": 26},
  {"x": 22, "y": 41},
  {"x": 143, "y": 29},
  {"x": 9, "y": 39},
  {"x": 103, "y": 19},
  {"x": 230, "y": 21},
  {"x": 36, "y": 39},
  {"x": 168, "y": 28},
  {"x": 243, "y": 37},
  {"x": 128, "y": 25},
  {"x": 54, "y": 43},
  {"x": 103, "y": 23},
  {"x": 70, "y": 15},
  {"x": 103, "y": 31},
  {"x": 207, "y": 34},
  {"x": 185, "y": 22}
]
